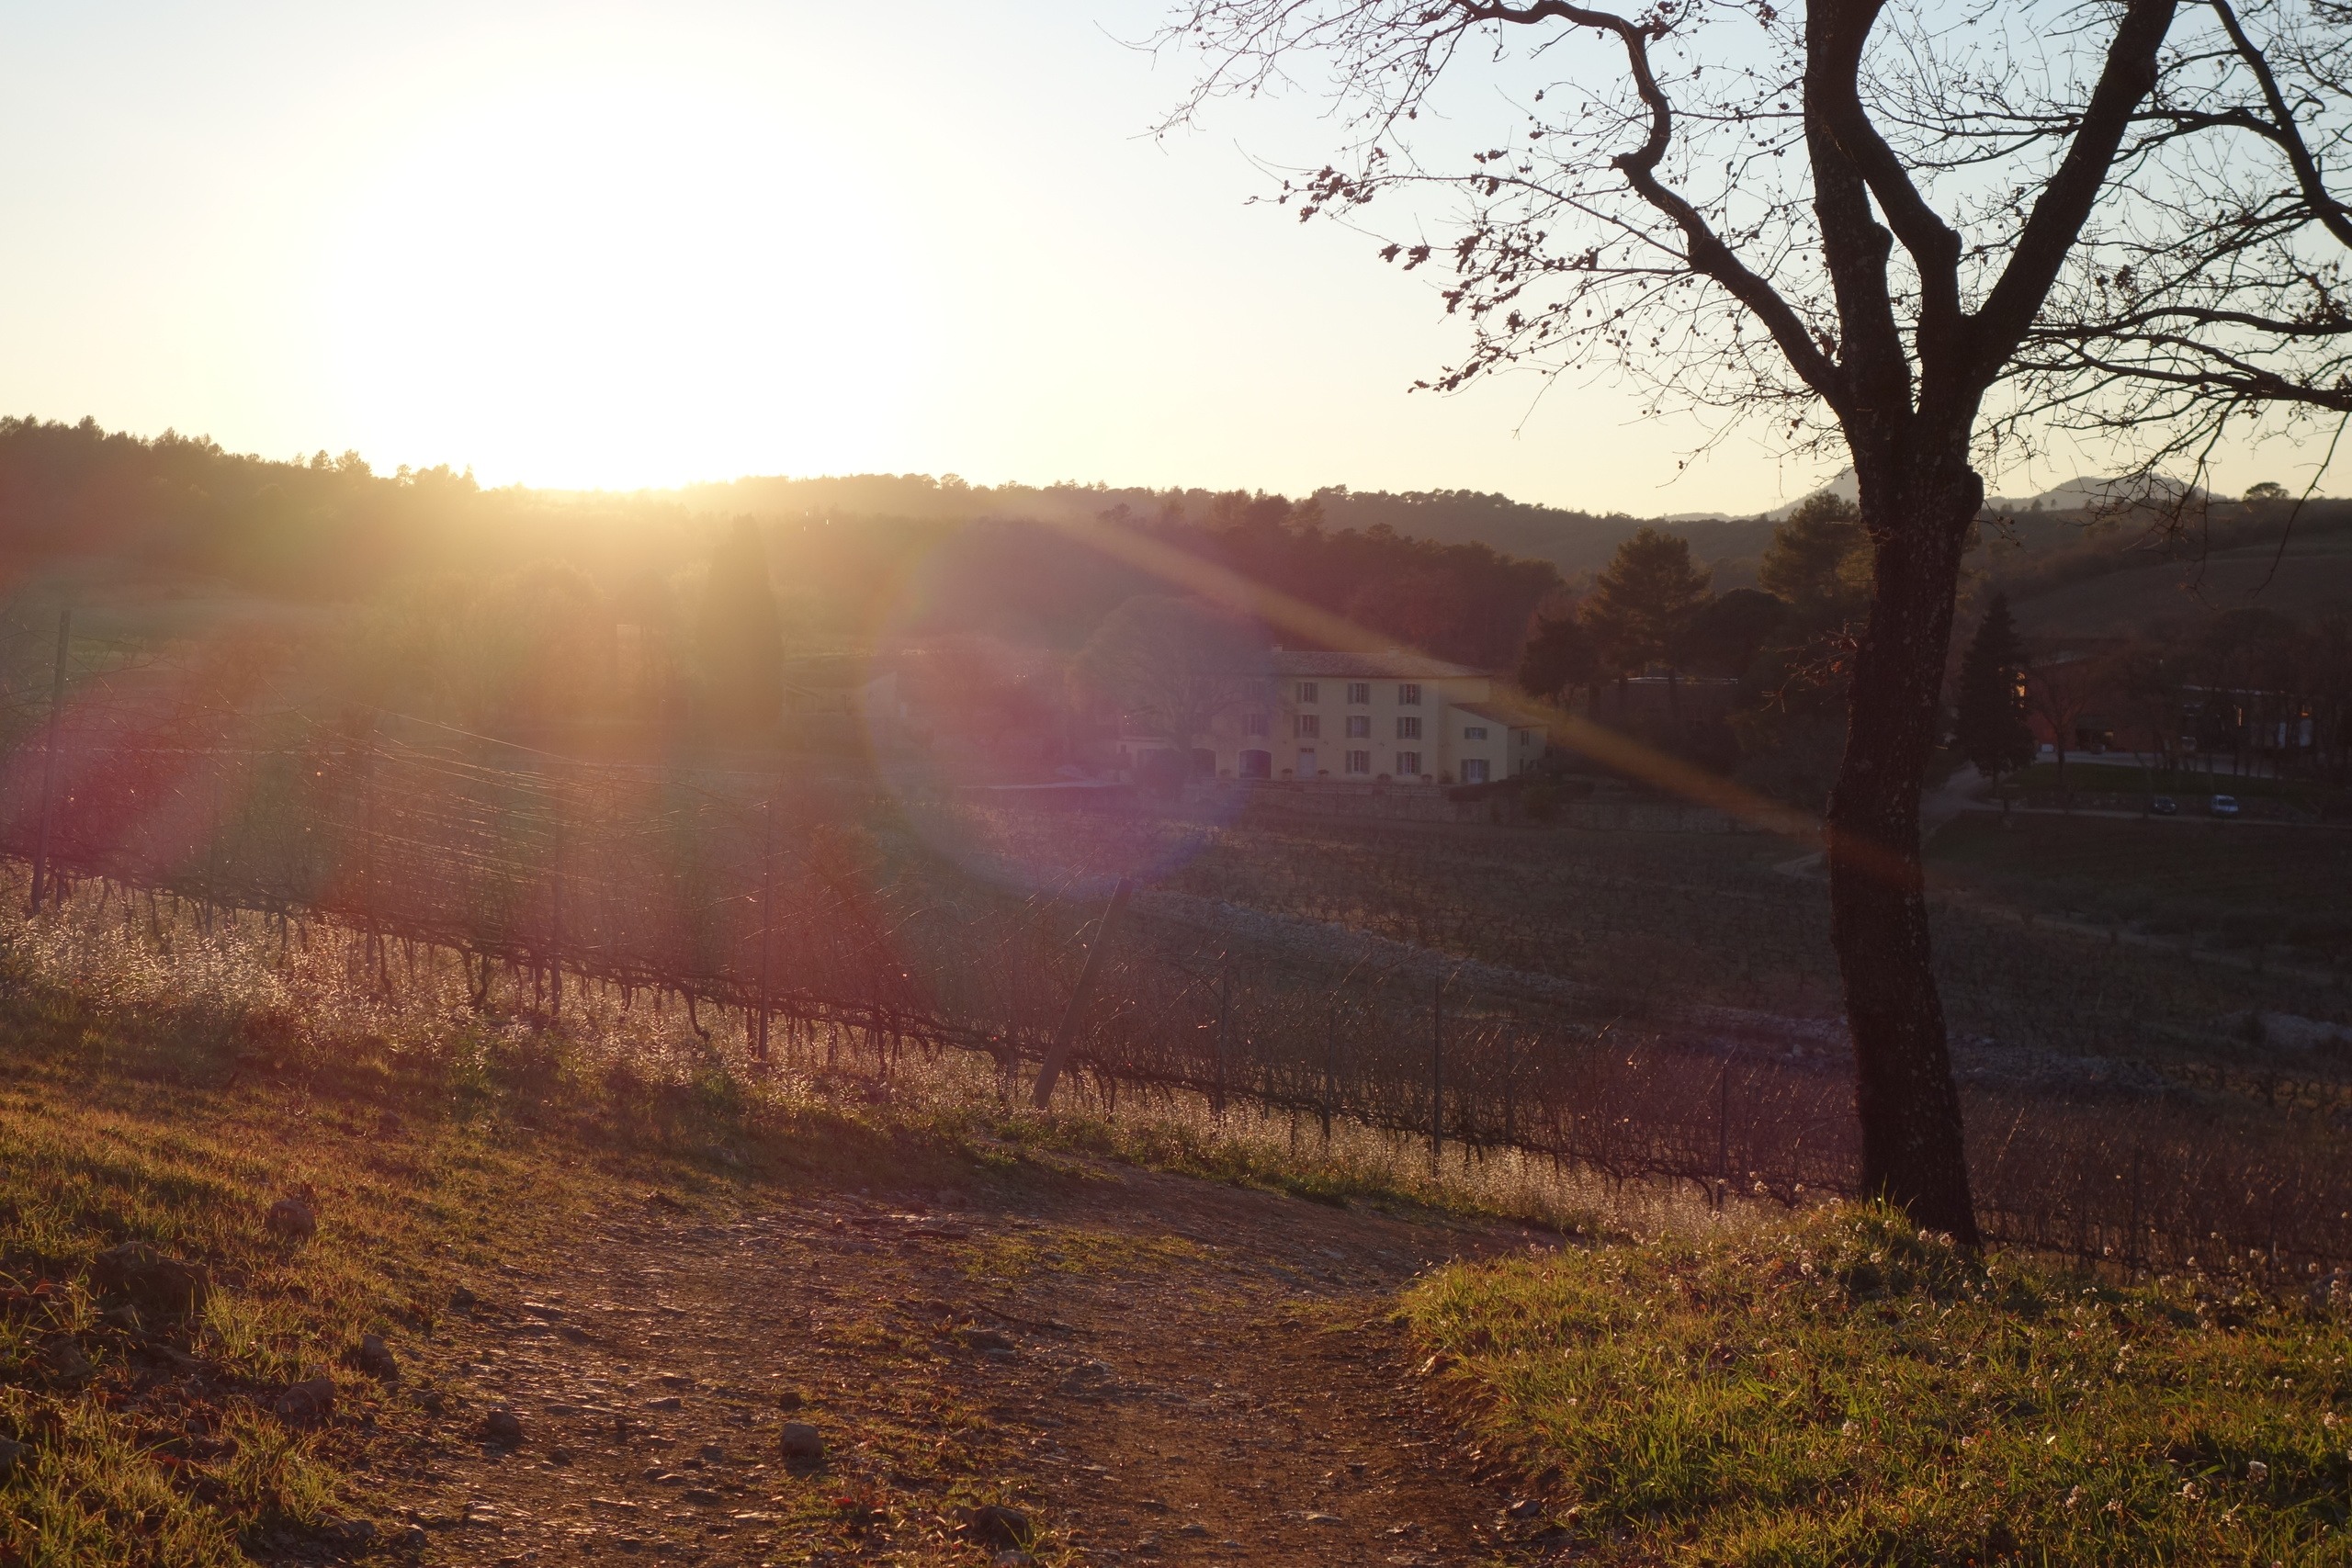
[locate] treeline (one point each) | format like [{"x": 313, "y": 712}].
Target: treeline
[
  {"x": 534, "y": 614},
  {"x": 1749, "y": 681},
  {"x": 2246, "y": 689},
  {"x": 511, "y": 609},
  {"x": 851, "y": 559},
  {"x": 1036, "y": 584},
  {"x": 1752, "y": 682},
  {"x": 322, "y": 528},
  {"x": 1574, "y": 541}
]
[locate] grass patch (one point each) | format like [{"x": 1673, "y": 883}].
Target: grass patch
[
  {"x": 150, "y": 1434},
  {"x": 1840, "y": 1389}
]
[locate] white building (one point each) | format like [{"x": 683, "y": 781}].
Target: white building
[{"x": 1362, "y": 717}]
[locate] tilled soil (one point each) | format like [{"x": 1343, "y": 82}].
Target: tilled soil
[{"x": 1142, "y": 1369}]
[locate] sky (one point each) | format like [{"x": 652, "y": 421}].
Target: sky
[{"x": 629, "y": 246}]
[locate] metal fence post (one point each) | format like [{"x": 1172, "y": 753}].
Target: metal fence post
[{"x": 48, "y": 758}]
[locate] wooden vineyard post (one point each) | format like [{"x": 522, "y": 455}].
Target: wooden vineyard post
[
  {"x": 367, "y": 853},
  {"x": 767, "y": 919},
  {"x": 210, "y": 908},
  {"x": 1331, "y": 1068},
  {"x": 1510, "y": 1086},
  {"x": 1224, "y": 1019},
  {"x": 1437, "y": 1073},
  {"x": 1722, "y": 1133},
  {"x": 2132, "y": 1247},
  {"x": 48, "y": 758},
  {"x": 555, "y": 913},
  {"x": 1055, "y": 1054}
]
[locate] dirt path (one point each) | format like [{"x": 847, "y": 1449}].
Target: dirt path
[{"x": 1149, "y": 1369}]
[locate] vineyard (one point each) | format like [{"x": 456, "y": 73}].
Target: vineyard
[{"x": 1624, "y": 1008}]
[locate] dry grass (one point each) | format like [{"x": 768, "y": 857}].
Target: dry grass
[{"x": 162, "y": 1084}]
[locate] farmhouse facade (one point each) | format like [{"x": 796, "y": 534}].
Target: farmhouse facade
[{"x": 1359, "y": 717}]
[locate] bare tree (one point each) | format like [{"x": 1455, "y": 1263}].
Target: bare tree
[
  {"x": 1171, "y": 665},
  {"x": 2061, "y": 688},
  {"x": 1925, "y": 234}
]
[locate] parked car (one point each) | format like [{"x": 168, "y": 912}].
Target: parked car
[
  {"x": 2224, "y": 805},
  {"x": 2164, "y": 805}
]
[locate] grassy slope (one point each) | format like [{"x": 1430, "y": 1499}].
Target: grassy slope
[
  {"x": 108, "y": 1133},
  {"x": 1841, "y": 1390},
  {"x": 172, "y": 1100},
  {"x": 2312, "y": 578}
]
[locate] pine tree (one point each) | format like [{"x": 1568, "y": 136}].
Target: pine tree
[
  {"x": 1642, "y": 598},
  {"x": 1991, "y": 730},
  {"x": 1560, "y": 655},
  {"x": 1819, "y": 562}
]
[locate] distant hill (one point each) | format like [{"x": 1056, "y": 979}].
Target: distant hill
[
  {"x": 328, "y": 529},
  {"x": 1576, "y": 542},
  {"x": 2310, "y": 577},
  {"x": 2082, "y": 494}
]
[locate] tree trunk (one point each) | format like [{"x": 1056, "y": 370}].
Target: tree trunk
[{"x": 1909, "y": 1109}]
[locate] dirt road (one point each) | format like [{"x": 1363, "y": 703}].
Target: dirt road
[{"x": 1141, "y": 1368}]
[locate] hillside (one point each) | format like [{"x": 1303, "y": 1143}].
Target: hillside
[
  {"x": 1576, "y": 542},
  {"x": 2312, "y": 576},
  {"x": 182, "y": 525}
]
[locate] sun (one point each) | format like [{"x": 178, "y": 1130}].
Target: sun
[{"x": 615, "y": 282}]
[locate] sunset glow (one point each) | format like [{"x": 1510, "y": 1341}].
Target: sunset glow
[{"x": 1191, "y": 782}]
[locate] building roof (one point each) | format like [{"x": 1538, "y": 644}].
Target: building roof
[
  {"x": 1395, "y": 665},
  {"x": 1493, "y": 714}
]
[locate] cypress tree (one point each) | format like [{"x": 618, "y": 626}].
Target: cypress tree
[
  {"x": 1991, "y": 730},
  {"x": 742, "y": 637}
]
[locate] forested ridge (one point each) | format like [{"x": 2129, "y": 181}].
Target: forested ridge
[{"x": 1460, "y": 573}]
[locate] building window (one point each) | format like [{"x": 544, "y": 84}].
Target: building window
[
  {"x": 1474, "y": 732},
  {"x": 1254, "y": 724},
  {"x": 1358, "y": 761},
  {"x": 1360, "y": 692},
  {"x": 1359, "y": 726},
  {"x": 1306, "y": 764},
  {"x": 1308, "y": 726},
  {"x": 1408, "y": 764},
  {"x": 1474, "y": 770},
  {"x": 1408, "y": 729},
  {"x": 1308, "y": 692},
  {"x": 1409, "y": 696}
]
